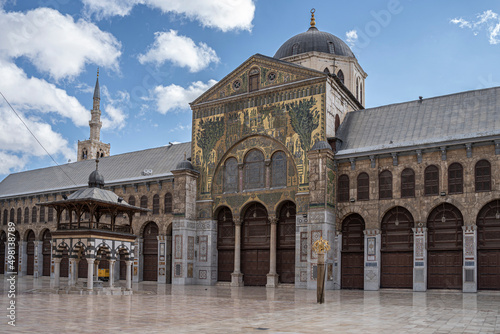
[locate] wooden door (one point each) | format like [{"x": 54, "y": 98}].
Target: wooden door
[
  {"x": 123, "y": 270},
  {"x": 150, "y": 252},
  {"x": 488, "y": 247},
  {"x": 46, "y": 252},
  {"x": 255, "y": 246},
  {"x": 352, "y": 256},
  {"x": 30, "y": 252},
  {"x": 397, "y": 249},
  {"x": 64, "y": 266},
  {"x": 83, "y": 267},
  {"x": 285, "y": 253},
  {"x": 444, "y": 248},
  {"x": 225, "y": 245}
]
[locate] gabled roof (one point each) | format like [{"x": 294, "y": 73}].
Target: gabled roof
[
  {"x": 305, "y": 72},
  {"x": 122, "y": 168},
  {"x": 428, "y": 122}
]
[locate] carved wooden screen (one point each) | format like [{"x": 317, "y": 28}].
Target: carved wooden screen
[
  {"x": 279, "y": 170},
  {"x": 168, "y": 203},
  {"x": 254, "y": 170},
  {"x": 385, "y": 185},
  {"x": 363, "y": 187},
  {"x": 455, "y": 178},
  {"x": 343, "y": 189},
  {"x": 408, "y": 183},
  {"x": 156, "y": 204},
  {"x": 445, "y": 228},
  {"x": 231, "y": 176},
  {"x": 431, "y": 180},
  {"x": 144, "y": 204},
  {"x": 483, "y": 175}
]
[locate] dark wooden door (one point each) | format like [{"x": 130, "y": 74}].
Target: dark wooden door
[
  {"x": 397, "y": 249},
  {"x": 225, "y": 245},
  {"x": 488, "y": 247},
  {"x": 285, "y": 253},
  {"x": 444, "y": 248},
  {"x": 64, "y": 266},
  {"x": 46, "y": 252},
  {"x": 123, "y": 270},
  {"x": 150, "y": 252},
  {"x": 30, "y": 252},
  {"x": 3, "y": 239},
  {"x": 83, "y": 268},
  {"x": 255, "y": 246},
  {"x": 352, "y": 256}
]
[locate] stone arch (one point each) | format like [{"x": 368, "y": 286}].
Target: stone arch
[
  {"x": 62, "y": 251},
  {"x": 437, "y": 202}
]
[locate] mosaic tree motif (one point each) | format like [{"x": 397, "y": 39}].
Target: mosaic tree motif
[
  {"x": 304, "y": 120},
  {"x": 208, "y": 134}
]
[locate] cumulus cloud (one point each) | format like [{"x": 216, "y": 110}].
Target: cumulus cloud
[
  {"x": 175, "y": 97},
  {"x": 488, "y": 21},
  {"x": 180, "y": 50},
  {"x": 351, "y": 37},
  {"x": 225, "y": 15},
  {"x": 55, "y": 43},
  {"x": 114, "y": 115}
]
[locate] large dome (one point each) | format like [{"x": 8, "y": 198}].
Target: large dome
[{"x": 314, "y": 40}]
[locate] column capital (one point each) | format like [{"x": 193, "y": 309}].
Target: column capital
[
  {"x": 237, "y": 221},
  {"x": 57, "y": 259},
  {"x": 90, "y": 260},
  {"x": 273, "y": 219}
]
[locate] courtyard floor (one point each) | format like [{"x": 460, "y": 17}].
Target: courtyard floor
[{"x": 160, "y": 308}]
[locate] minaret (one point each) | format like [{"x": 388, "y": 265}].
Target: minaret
[{"x": 93, "y": 148}]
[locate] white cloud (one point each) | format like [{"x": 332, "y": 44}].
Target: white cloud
[
  {"x": 181, "y": 127},
  {"x": 114, "y": 115},
  {"x": 10, "y": 162},
  {"x": 180, "y": 50},
  {"x": 351, "y": 37},
  {"x": 488, "y": 20},
  {"x": 173, "y": 97},
  {"x": 55, "y": 43},
  {"x": 225, "y": 15}
]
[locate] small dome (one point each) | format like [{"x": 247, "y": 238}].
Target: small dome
[
  {"x": 314, "y": 40},
  {"x": 184, "y": 165},
  {"x": 321, "y": 145},
  {"x": 96, "y": 180}
]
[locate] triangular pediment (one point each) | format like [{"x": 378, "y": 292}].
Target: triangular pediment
[{"x": 271, "y": 73}]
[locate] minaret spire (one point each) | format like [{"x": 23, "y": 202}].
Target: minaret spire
[{"x": 95, "y": 121}]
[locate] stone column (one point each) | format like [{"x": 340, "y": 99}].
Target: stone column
[
  {"x": 237, "y": 276},
  {"x": 57, "y": 271},
  {"x": 96, "y": 270},
  {"x": 268, "y": 173},
  {"x": 71, "y": 277},
  {"x": 470, "y": 258},
  {"x": 77, "y": 261},
  {"x": 90, "y": 274},
  {"x": 129, "y": 275},
  {"x": 23, "y": 257},
  {"x": 372, "y": 259},
  {"x": 420, "y": 258},
  {"x": 272, "y": 277},
  {"x": 112, "y": 272}
]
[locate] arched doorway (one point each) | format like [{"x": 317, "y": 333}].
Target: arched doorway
[
  {"x": 225, "y": 245},
  {"x": 285, "y": 252},
  {"x": 255, "y": 243},
  {"x": 64, "y": 266},
  {"x": 352, "y": 256},
  {"x": 488, "y": 247},
  {"x": 3, "y": 240},
  {"x": 150, "y": 252},
  {"x": 46, "y": 252},
  {"x": 30, "y": 252},
  {"x": 83, "y": 265},
  {"x": 397, "y": 249},
  {"x": 444, "y": 247},
  {"x": 123, "y": 265}
]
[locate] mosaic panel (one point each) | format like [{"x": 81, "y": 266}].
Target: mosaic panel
[
  {"x": 178, "y": 269},
  {"x": 469, "y": 247},
  {"x": 203, "y": 248},
  {"x": 371, "y": 251},
  {"x": 303, "y": 276},
  {"x": 190, "y": 248},
  {"x": 202, "y": 274},
  {"x": 419, "y": 247},
  {"x": 178, "y": 247},
  {"x": 303, "y": 246}
]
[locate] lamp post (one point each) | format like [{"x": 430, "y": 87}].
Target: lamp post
[{"x": 321, "y": 247}]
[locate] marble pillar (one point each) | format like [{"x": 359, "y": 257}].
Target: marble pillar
[
  {"x": 57, "y": 272},
  {"x": 272, "y": 277},
  {"x": 372, "y": 259},
  {"x": 420, "y": 258},
  {"x": 237, "y": 276},
  {"x": 90, "y": 274},
  {"x": 38, "y": 265},
  {"x": 129, "y": 275},
  {"x": 111, "y": 281},
  {"x": 470, "y": 258}
]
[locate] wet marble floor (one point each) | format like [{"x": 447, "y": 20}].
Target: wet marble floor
[{"x": 160, "y": 308}]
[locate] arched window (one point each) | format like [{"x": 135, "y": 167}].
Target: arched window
[
  {"x": 156, "y": 204},
  {"x": 33, "y": 215},
  {"x": 254, "y": 170},
  {"x": 357, "y": 89},
  {"x": 455, "y": 178},
  {"x": 84, "y": 154},
  {"x": 131, "y": 200},
  {"x": 26, "y": 215},
  {"x": 343, "y": 188},
  {"x": 12, "y": 215},
  {"x": 407, "y": 183},
  {"x": 231, "y": 176},
  {"x": 361, "y": 93},
  {"x": 482, "y": 175},
  {"x": 144, "y": 204},
  {"x": 19, "y": 216},
  {"x": 431, "y": 180},
  {"x": 385, "y": 185},
  {"x": 5, "y": 216},
  {"x": 278, "y": 177},
  {"x": 326, "y": 70},
  {"x": 363, "y": 187},
  {"x": 50, "y": 214},
  {"x": 168, "y": 203},
  {"x": 340, "y": 75}
]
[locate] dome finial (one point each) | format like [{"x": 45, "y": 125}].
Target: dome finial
[
  {"x": 313, "y": 21},
  {"x": 97, "y": 72}
]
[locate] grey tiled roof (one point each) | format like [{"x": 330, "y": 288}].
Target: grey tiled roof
[
  {"x": 463, "y": 116},
  {"x": 127, "y": 167}
]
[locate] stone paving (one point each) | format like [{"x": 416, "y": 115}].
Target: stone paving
[{"x": 160, "y": 308}]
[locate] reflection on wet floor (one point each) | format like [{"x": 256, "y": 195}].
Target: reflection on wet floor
[{"x": 222, "y": 309}]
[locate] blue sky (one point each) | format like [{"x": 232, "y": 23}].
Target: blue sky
[{"x": 157, "y": 56}]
